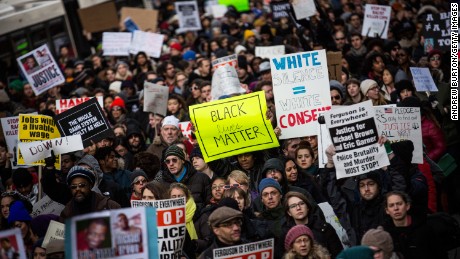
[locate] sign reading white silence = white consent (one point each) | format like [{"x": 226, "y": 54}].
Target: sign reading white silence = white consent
[
  {"x": 355, "y": 137},
  {"x": 38, "y": 150}
]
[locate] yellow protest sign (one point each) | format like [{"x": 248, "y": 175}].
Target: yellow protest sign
[
  {"x": 37, "y": 127},
  {"x": 233, "y": 126}
]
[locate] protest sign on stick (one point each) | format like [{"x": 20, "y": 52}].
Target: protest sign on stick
[
  {"x": 13, "y": 239},
  {"x": 99, "y": 17},
  {"x": 189, "y": 19},
  {"x": 41, "y": 149},
  {"x": 301, "y": 91},
  {"x": 423, "y": 80},
  {"x": 304, "y": 8},
  {"x": 86, "y": 119},
  {"x": 401, "y": 123},
  {"x": 436, "y": 31},
  {"x": 145, "y": 19},
  {"x": 334, "y": 65},
  {"x": 46, "y": 206},
  {"x": 261, "y": 249},
  {"x": 354, "y": 134},
  {"x": 123, "y": 233},
  {"x": 155, "y": 98},
  {"x": 40, "y": 69},
  {"x": 376, "y": 21},
  {"x": 231, "y": 60},
  {"x": 270, "y": 51},
  {"x": 233, "y": 126},
  {"x": 116, "y": 43},
  {"x": 280, "y": 9},
  {"x": 171, "y": 225},
  {"x": 150, "y": 43},
  {"x": 65, "y": 104}
]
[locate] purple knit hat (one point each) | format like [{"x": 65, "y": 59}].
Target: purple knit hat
[{"x": 296, "y": 232}]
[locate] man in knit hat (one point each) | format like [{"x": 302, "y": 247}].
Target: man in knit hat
[
  {"x": 225, "y": 223},
  {"x": 80, "y": 181},
  {"x": 179, "y": 170}
]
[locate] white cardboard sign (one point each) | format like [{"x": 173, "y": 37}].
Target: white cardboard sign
[
  {"x": 116, "y": 43},
  {"x": 376, "y": 21},
  {"x": 150, "y": 43},
  {"x": 38, "y": 150}
]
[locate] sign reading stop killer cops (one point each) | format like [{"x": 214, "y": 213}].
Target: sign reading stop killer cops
[
  {"x": 233, "y": 126},
  {"x": 261, "y": 249},
  {"x": 354, "y": 134},
  {"x": 40, "y": 69},
  {"x": 301, "y": 90},
  {"x": 86, "y": 119}
]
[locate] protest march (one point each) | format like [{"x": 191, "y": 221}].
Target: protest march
[{"x": 205, "y": 129}]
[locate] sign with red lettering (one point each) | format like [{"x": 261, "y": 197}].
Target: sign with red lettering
[
  {"x": 40, "y": 69},
  {"x": 257, "y": 250},
  {"x": 63, "y": 105},
  {"x": 186, "y": 128}
]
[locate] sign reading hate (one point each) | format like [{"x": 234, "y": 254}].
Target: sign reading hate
[
  {"x": 301, "y": 90},
  {"x": 65, "y": 104},
  {"x": 87, "y": 120},
  {"x": 354, "y": 134},
  {"x": 233, "y": 126}
]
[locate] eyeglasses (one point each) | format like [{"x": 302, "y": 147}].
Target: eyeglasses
[
  {"x": 237, "y": 222},
  {"x": 230, "y": 186},
  {"x": 336, "y": 97},
  {"x": 217, "y": 187},
  {"x": 79, "y": 186},
  {"x": 172, "y": 160},
  {"x": 294, "y": 205},
  {"x": 138, "y": 182},
  {"x": 435, "y": 58}
]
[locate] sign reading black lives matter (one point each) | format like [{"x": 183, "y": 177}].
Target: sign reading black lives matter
[
  {"x": 86, "y": 119},
  {"x": 436, "y": 31},
  {"x": 354, "y": 134}
]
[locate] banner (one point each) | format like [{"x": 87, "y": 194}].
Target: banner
[
  {"x": 304, "y": 8},
  {"x": 436, "y": 31},
  {"x": 231, "y": 60},
  {"x": 301, "y": 90},
  {"x": 376, "y": 21},
  {"x": 423, "y": 81},
  {"x": 56, "y": 231},
  {"x": 38, "y": 150},
  {"x": 33, "y": 128},
  {"x": 270, "y": 52},
  {"x": 401, "y": 123},
  {"x": 155, "y": 98},
  {"x": 86, "y": 119},
  {"x": 40, "y": 69},
  {"x": 240, "y": 5},
  {"x": 122, "y": 233},
  {"x": 355, "y": 137},
  {"x": 334, "y": 65},
  {"x": 225, "y": 82},
  {"x": 189, "y": 19},
  {"x": 186, "y": 128},
  {"x": 116, "y": 43},
  {"x": 280, "y": 9},
  {"x": 65, "y": 104},
  {"x": 262, "y": 249},
  {"x": 13, "y": 244},
  {"x": 233, "y": 126},
  {"x": 150, "y": 43},
  {"x": 171, "y": 225}
]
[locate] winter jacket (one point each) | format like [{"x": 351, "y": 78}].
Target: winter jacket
[
  {"x": 433, "y": 139},
  {"x": 426, "y": 171},
  {"x": 122, "y": 178},
  {"x": 208, "y": 253},
  {"x": 96, "y": 202}
]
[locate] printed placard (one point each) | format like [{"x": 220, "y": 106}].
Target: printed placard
[
  {"x": 46, "y": 206},
  {"x": 171, "y": 224},
  {"x": 304, "y": 8},
  {"x": 155, "y": 98},
  {"x": 12, "y": 239},
  {"x": 401, "y": 123},
  {"x": 10, "y": 127},
  {"x": 355, "y": 137},
  {"x": 86, "y": 119},
  {"x": 225, "y": 82},
  {"x": 231, "y": 60},
  {"x": 280, "y": 9},
  {"x": 423, "y": 81},
  {"x": 56, "y": 231},
  {"x": 38, "y": 150},
  {"x": 123, "y": 233},
  {"x": 189, "y": 19},
  {"x": 261, "y": 249},
  {"x": 150, "y": 43},
  {"x": 116, "y": 43},
  {"x": 233, "y": 126},
  {"x": 65, "y": 104},
  {"x": 270, "y": 51},
  {"x": 33, "y": 128},
  {"x": 301, "y": 90},
  {"x": 376, "y": 21},
  {"x": 186, "y": 129},
  {"x": 40, "y": 69},
  {"x": 436, "y": 31}
]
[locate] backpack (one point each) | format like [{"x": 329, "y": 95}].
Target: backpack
[{"x": 446, "y": 230}]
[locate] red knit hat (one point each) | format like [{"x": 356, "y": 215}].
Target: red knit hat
[
  {"x": 296, "y": 232},
  {"x": 176, "y": 46},
  {"x": 118, "y": 102}
]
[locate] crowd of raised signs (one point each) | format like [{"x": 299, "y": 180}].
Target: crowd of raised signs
[{"x": 390, "y": 212}]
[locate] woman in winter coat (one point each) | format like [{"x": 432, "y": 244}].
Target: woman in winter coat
[{"x": 300, "y": 243}]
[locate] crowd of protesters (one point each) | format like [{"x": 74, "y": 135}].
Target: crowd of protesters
[{"x": 259, "y": 195}]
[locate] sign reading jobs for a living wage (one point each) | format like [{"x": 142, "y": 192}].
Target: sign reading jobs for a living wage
[
  {"x": 171, "y": 225},
  {"x": 376, "y": 21},
  {"x": 86, "y": 119},
  {"x": 301, "y": 90},
  {"x": 261, "y": 249},
  {"x": 401, "y": 123},
  {"x": 40, "y": 69},
  {"x": 355, "y": 137},
  {"x": 34, "y": 128},
  {"x": 233, "y": 126}
]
